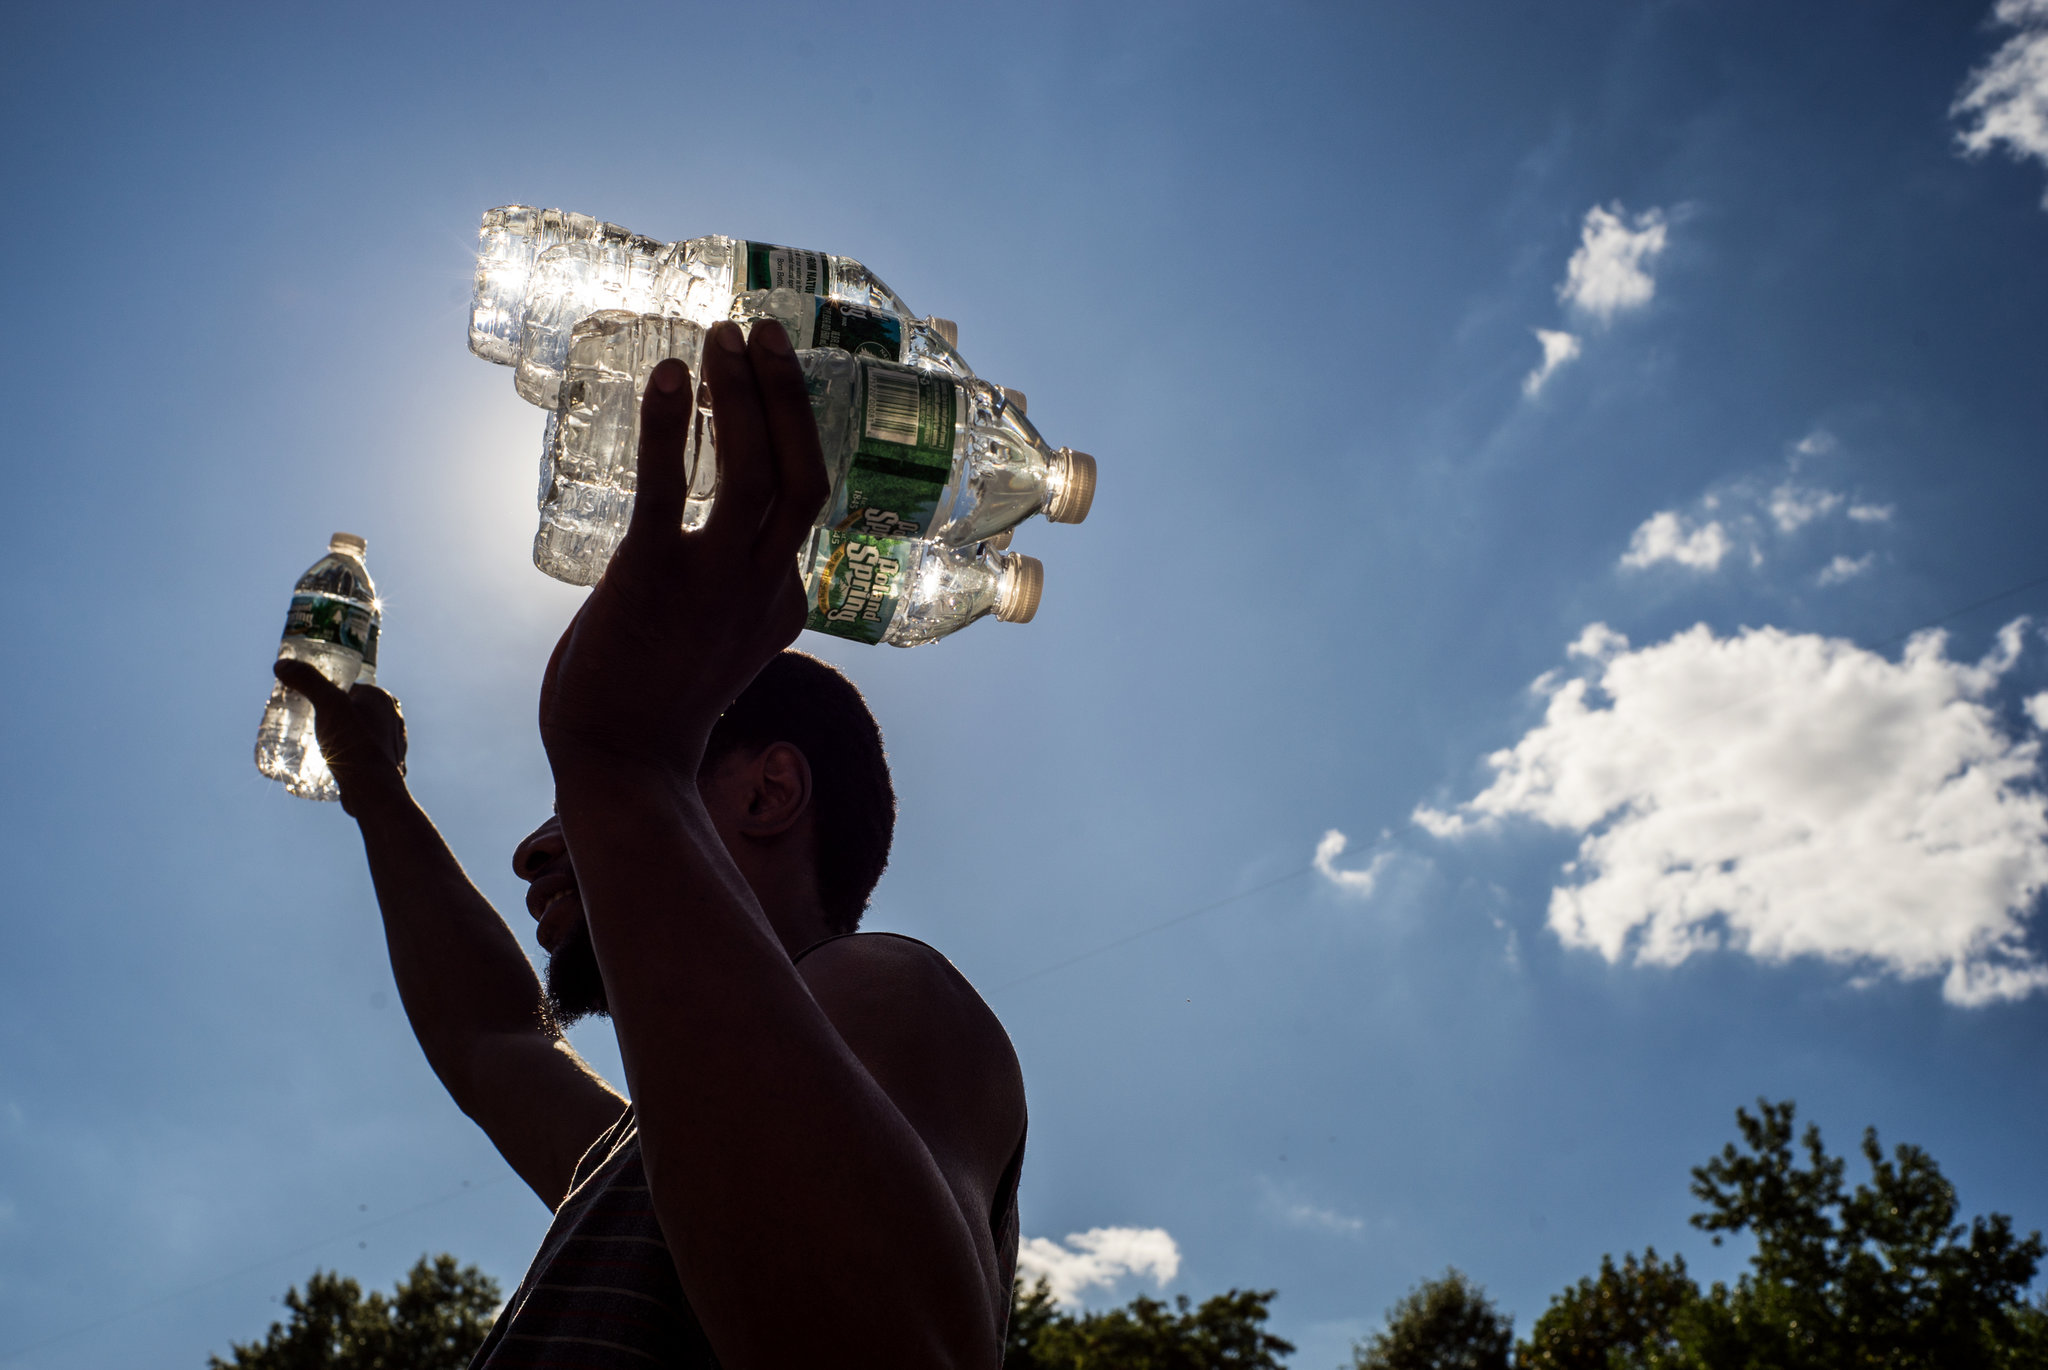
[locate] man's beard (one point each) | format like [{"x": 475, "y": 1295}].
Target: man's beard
[{"x": 575, "y": 989}]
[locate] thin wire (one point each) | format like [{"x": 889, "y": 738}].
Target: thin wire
[
  {"x": 1156, "y": 927},
  {"x": 253, "y": 1266}
]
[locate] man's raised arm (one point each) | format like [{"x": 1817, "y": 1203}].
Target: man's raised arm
[
  {"x": 811, "y": 1222},
  {"x": 468, "y": 989}
]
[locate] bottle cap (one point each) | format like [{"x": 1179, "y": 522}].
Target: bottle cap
[
  {"x": 1000, "y": 542},
  {"x": 1077, "y": 487},
  {"x": 946, "y": 329},
  {"x": 347, "y": 542},
  {"x": 1017, "y": 593},
  {"x": 1015, "y": 399}
]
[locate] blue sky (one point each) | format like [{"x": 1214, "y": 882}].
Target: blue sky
[{"x": 1283, "y": 272}]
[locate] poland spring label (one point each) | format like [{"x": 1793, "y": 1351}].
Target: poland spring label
[
  {"x": 792, "y": 268},
  {"x": 323, "y": 618},
  {"x": 856, "y": 584},
  {"x": 904, "y": 458},
  {"x": 864, "y": 332}
]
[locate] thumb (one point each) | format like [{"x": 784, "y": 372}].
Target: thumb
[{"x": 328, "y": 699}]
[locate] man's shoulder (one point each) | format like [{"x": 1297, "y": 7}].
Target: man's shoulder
[{"x": 922, "y": 1031}]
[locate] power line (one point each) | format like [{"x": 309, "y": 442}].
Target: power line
[
  {"x": 1156, "y": 927},
  {"x": 143, "y": 1307}
]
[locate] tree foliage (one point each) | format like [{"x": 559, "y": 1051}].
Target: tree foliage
[
  {"x": 1446, "y": 1323},
  {"x": 1226, "y": 1332},
  {"x": 1623, "y": 1317},
  {"x": 1883, "y": 1275},
  {"x": 434, "y": 1320}
]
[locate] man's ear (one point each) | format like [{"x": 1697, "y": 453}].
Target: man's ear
[{"x": 778, "y": 791}]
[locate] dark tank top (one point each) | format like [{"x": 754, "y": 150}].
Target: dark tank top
[{"x": 602, "y": 1292}]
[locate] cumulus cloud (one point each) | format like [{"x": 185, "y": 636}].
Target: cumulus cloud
[
  {"x": 1846, "y": 568},
  {"x": 1786, "y": 795},
  {"x": 2005, "y": 101},
  {"x": 1793, "y": 506},
  {"x": 1359, "y": 883},
  {"x": 1610, "y": 271},
  {"x": 1666, "y": 537},
  {"x": 1752, "y": 512},
  {"x": 1559, "y": 350},
  {"x": 1098, "y": 1258}
]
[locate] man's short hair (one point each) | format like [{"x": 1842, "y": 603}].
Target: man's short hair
[{"x": 800, "y": 700}]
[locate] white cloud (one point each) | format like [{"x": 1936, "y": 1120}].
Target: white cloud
[
  {"x": 1871, "y": 513},
  {"x": 1793, "y": 505},
  {"x": 1559, "y": 350},
  {"x": 1359, "y": 883},
  {"x": 1292, "y": 1210},
  {"x": 1098, "y": 1258},
  {"x": 1609, "y": 272},
  {"x": 1786, "y": 795},
  {"x": 2005, "y": 101},
  {"x": 1665, "y": 537},
  {"x": 2037, "y": 710},
  {"x": 1817, "y": 443},
  {"x": 1846, "y": 568}
]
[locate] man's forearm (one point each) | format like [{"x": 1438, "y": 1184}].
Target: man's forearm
[
  {"x": 771, "y": 1153},
  {"x": 461, "y": 973}
]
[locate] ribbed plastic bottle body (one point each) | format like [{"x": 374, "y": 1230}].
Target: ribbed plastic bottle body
[
  {"x": 509, "y": 240},
  {"x": 905, "y": 592},
  {"x": 332, "y": 625},
  {"x": 704, "y": 280},
  {"x": 590, "y": 470}
]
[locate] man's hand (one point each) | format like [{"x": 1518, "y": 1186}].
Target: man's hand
[
  {"x": 682, "y": 621},
  {"x": 361, "y": 731}
]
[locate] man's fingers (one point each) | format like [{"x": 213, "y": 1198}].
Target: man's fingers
[
  {"x": 328, "y": 698},
  {"x": 746, "y": 477},
  {"x": 800, "y": 483},
  {"x": 664, "y": 480}
]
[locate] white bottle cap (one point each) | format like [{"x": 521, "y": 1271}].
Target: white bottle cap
[
  {"x": 1017, "y": 593},
  {"x": 946, "y": 329},
  {"x": 1077, "y": 488},
  {"x": 348, "y": 543},
  {"x": 1015, "y": 399}
]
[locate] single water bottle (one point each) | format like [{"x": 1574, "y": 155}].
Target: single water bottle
[
  {"x": 332, "y": 625},
  {"x": 907, "y": 592},
  {"x": 590, "y": 461},
  {"x": 540, "y": 271}
]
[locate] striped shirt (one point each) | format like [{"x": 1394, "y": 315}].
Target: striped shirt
[{"x": 602, "y": 1292}]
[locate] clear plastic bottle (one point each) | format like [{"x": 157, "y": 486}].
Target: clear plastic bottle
[
  {"x": 907, "y": 592},
  {"x": 590, "y": 468},
  {"x": 909, "y": 453},
  {"x": 546, "y": 270},
  {"x": 332, "y": 625}
]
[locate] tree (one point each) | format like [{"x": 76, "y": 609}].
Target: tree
[
  {"x": 1881, "y": 1276},
  {"x": 1624, "y": 1317},
  {"x": 1225, "y": 1333},
  {"x": 434, "y": 1320},
  {"x": 1441, "y": 1324}
]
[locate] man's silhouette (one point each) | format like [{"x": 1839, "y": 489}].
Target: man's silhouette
[{"x": 818, "y": 1166}]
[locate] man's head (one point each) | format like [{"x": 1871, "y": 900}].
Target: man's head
[{"x": 797, "y": 785}]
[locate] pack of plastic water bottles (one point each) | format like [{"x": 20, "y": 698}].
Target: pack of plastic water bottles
[{"x": 931, "y": 467}]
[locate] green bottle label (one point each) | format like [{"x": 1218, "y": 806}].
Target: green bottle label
[
  {"x": 904, "y": 459},
  {"x": 864, "y": 332},
  {"x": 856, "y": 584},
  {"x": 769, "y": 266},
  {"x": 323, "y": 618}
]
